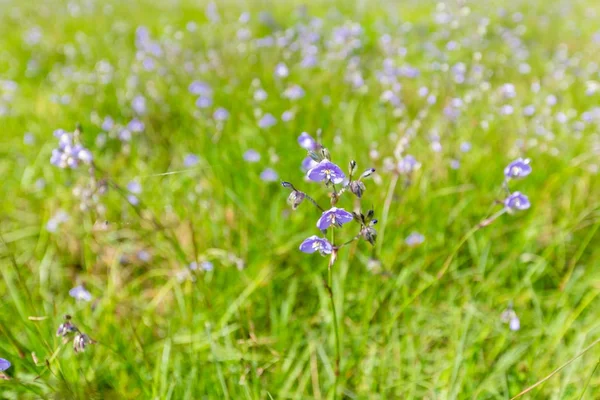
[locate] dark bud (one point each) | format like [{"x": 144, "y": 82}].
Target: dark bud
[
  {"x": 357, "y": 217},
  {"x": 315, "y": 157},
  {"x": 367, "y": 173},
  {"x": 65, "y": 328},
  {"x": 370, "y": 215},
  {"x": 358, "y": 188},
  {"x": 287, "y": 185},
  {"x": 295, "y": 199},
  {"x": 369, "y": 234}
]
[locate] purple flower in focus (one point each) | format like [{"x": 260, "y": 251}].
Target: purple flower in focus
[
  {"x": 327, "y": 171},
  {"x": 4, "y": 364},
  {"x": 269, "y": 175},
  {"x": 190, "y": 160},
  {"x": 306, "y": 141},
  {"x": 519, "y": 168},
  {"x": 267, "y": 121},
  {"x": 516, "y": 202},
  {"x": 315, "y": 243},
  {"x": 80, "y": 293},
  {"x": 251, "y": 156},
  {"x": 334, "y": 216}
]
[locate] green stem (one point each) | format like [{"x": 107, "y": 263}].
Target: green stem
[{"x": 335, "y": 320}]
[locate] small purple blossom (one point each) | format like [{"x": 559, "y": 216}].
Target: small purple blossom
[
  {"x": 190, "y": 160},
  {"x": 134, "y": 187},
  {"x": 293, "y": 92},
  {"x": 334, "y": 216},
  {"x": 220, "y": 114},
  {"x": 133, "y": 200},
  {"x": 204, "y": 102},
  {"x": 326, "y": 170},
  {"x": 135, "y": 125},
  {"x": 408, "y": 164},
  {"x": 59, "y": 218},
  {"x": 200, "y": 88},
  {"x": 267, "y": 121},
  {"x": 251, "y": 156},
  {"x": 139, "y": 104},
  {"x": 516, "y": 202},
  {"x": 414, "y": 239},
  {"x": 281, "y": 70},
  {"x": 269, "y": 175},
  {"x": 315, "y": 243},
  {"x": 519, "y": 168},
  {"x": 306, "y": 141},
  {"x": 80, "y": 293},
  {"x": 4, "y": 364},
  {"x": 108, "y": 123},
  {"x": 514, "y": 323},
  {"x": 308, "y": 163},
  {"x": 68, "y": 154}
]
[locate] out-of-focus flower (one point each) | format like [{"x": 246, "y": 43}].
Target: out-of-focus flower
[
  {"x": 4, "y": 364},
  {"x": 414, "y": 239},
  {"x": 80, "y": 293},
  {"x": 267, "y": 121},
  {"x": 269, "y": 175},
  {"x": 251, "y": 156},
  {"x": 190, "y": 160}
]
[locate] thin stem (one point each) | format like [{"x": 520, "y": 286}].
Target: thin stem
[
  {"x": 386, "y": 210},
  {"x": 589, "y": 379},
  {"x": 314, "y": 202},
  {"x": 335, "y": 320}
]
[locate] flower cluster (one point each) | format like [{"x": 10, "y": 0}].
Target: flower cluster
[
  {"x": 67, "y": 330},
  {"x": 516, "y": 201},
  {"x": 321, "y": 169},
  {"x": 70, "y": 153}
]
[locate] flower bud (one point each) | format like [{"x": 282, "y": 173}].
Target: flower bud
[{"x": 367, "y": 173}]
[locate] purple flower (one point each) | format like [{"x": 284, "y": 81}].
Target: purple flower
[
  {"x": 519, "y": 168},
  {"x": 200, "y": 88},
  {"x": 326, "y": 170},
  {"x": 287, "y": 116},
  {"x": 514, "y": 323},
  {"x": 251, "y": 156},
  {"x": 80, "y": 293},
  {"x": 134, "y": 187},
  {"x": 408, "y": 164},
  {"x": 190, "y": 160},
  {"x": 135, "y": 125},
  {"x": 108, "y": 123},
  {"x": 68, "y": 154},
  {"x": 308, "y": 163},
  {"x": 281, "y": 70},
  {"x": 203, "y": 102},
  {"x": 139, "y": 104},
  {"x": 221, "y": 114},
  {"x": 315, "y": 243},
  {"x": 133, "y": 200},
  {"x": 4, "y": 364},
  {"x": 269, "y": 175},
  {"x": 306, "y": 141},
  {"x": 516, "y": 202},
  {"x": 334, "y": 216},
  {"x": 294, "y": 92},
  {"x": 414, "y": 239},
  {"x": 267, "y": 121}
]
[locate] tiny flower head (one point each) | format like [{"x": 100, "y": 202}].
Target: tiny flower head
[
  {"x": 327, "y": 171},
  {"x": 408, "y": 164},
  {"x": 334, "y": 216},
  {"x": 307, "y": 142},
  {"x": 190, "y": 160},
  {"x": 269, "y": 175},
  {"x": 514, "y": 323},
  {"x": 80, "y": 342},
  {"x": 4, "y": 364},
  {"x": 519, "y": 168},
  {"x": 315, "y": 243},
  {"x": 516, "y": 202},
  {"x": 295, "y": 199},
  {"x": 251, "y": 156},
  {"x": 414, "y": 239},
  {"x": 80, "y": 293}
]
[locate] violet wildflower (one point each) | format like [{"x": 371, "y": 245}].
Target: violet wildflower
[
  {"x": 58, "y": 219},
  {"x": 139, "y": 104},
  {"x": 307, "y": 142},
  {"x": 516, "y": 202},
  {"x": 69, "y": 154},
  {"x": 287, "y": 116},
  {"x": 269, "y": 175},
  {"x": 135, "y": 125},
  {"x": 327, "y": 171},
  {"x": 200, "y": 89},
  {"x": 134, "y": 187},
  {"x": 66, "y": 328},
  {"x": 315, "y": 243},
  {"x": 408, "y": 164},
  {"x": 509, "y": 316},
  {"x": 281, "y": 70},
  {"x": 334, "y": 216},
  {"x": 190, "y": 160},
  {"x": 267, "y": 121},
  {"x": 308, "y": 163},
  {"x": 108, "y": 123},
  {"x": 4, "y": 364},
  {"x": 80, "y": 293},
  {"x": 519, "y": 168},
  {"x": 204, "y": 102},
  {"x": 220, "y": 114},
  {"x": 251, "y": 156},
  {"x": 414, "y": 239},
  {"x": 293, "y": 92}
]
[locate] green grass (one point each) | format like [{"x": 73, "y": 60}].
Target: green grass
[{"x": 426, "y": 324}]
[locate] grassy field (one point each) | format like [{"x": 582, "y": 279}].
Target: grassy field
[{"x": 161, "y": 227}]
